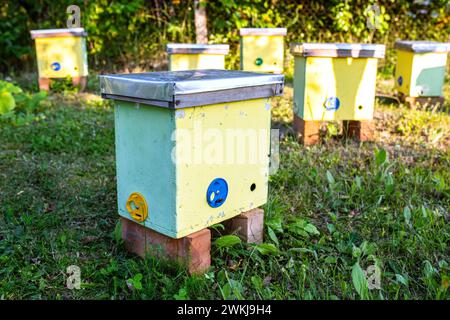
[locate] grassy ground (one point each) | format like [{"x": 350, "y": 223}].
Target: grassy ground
[{"x": 334, "y": 210}]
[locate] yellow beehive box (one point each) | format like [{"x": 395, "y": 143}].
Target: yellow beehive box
[
  {"x": 184, "y": 56},
  {"x": 262, "y": 49},
  {"x": 335, "y": 81},
  {"x": 61, "y": 52},
  {"x": 192, "y": 147},
  {"x": 421, "y": 67}
]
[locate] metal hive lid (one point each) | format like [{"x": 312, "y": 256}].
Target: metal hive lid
[
  {"x": 48, "y": 33},
  {"x": 180, "y": 89},
  {"x": 423, "y": 46},
  {"x": 190, "y": 48},
  {"x": 263, "y": 31},
  {"x": 354, "y": 50}
]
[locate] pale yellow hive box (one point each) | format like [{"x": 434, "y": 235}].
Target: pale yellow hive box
[
  {"x": 186, "y": 56},
  {"x": 421, "y": 67},
  {"x": 262, "y": 49},
  {"x": 61, "y": 52},
  {"x": 335, "y": 81}
]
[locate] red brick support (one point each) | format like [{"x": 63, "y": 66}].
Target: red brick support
[
  {"x": 44, "y": 84},
  {"x": 361, "y": 130},
  {"x": 193, "y": 250},
  {"x": 308, "y": 131},
  {"x": 413, "y": 102},
  {"x": 80, "y": 82},
  {"x": 249, "y": 226}
]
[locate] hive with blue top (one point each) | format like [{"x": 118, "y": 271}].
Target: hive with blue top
[{"x": 178, "y": 172}]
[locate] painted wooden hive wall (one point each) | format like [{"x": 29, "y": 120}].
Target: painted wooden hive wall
[
  {"x": 59, "y": 57},
  {"x": 327, "y": 89},
  {"x": 144, "y": 162},
  {"x": 235, "y": 147},
  {"x": 262, "y": 53},
  {"x": 420, "y": 74},
  {"x": 196, "y": 61},
  {"x": 230, "y": 141}
]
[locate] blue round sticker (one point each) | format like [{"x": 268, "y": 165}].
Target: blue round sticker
[
  {"x": 217, "y": 192},
  {"x": 332, "y": 104},
  {"x": 56, "y": 66},
  {"x": 400, "y": 80}
]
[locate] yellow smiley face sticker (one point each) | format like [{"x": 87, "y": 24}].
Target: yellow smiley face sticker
[{"x": 137, "y": 207}]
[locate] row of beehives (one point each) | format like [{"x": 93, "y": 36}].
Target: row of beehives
[
  {"x": 177, "y": 198},
  {"x": 347, "y": 84}
]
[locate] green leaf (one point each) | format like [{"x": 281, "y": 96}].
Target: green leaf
[
  {"x": 330, "y": 178},
  {"x": 181, "y": 295},
  {"x": 380, "y": 157},
  {"x": 331, "y": 228},
  {"x": 298, "y": 230},
  {"x": 303, "y": 228},
  {"x": 407, "y": 215},
  {"x": 272, "y": 235},
  {"x": 232, "y": 290},
  {"x": 267, "y": 249},
  {"x": 360, "y": 281},
  {"x": 118, "y": 232},
  {"x": 401, "y": 279},
  {"x": 7, "y": 102},
  {"x": 330, "y": 260},
  {"x": 276, "y": 223},
  {"x": 358, "y": 182},
  {"x": 217, "y": 227},
  {"x": 311, "y": 229},
  {"x": 9, "y": 87},
  {"x": 227, "y": 241},
  {"x": 389, "y": 184},
  {"x": 136, "y": 281}
]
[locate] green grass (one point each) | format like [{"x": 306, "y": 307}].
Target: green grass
[{"x": 333, "y": 209}]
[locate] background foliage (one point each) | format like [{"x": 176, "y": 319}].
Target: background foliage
[{"x": 127, "y": 35}]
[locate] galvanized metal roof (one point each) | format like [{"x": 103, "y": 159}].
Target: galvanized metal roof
[
  {"x": 180, "y": 89},
  {"x": 423, "y": 46},
  {"x": 48, "y": 33},
  {"x": 190, "y": 48},
  {"x": 263, "y": 31},
  {"x": 354, "y": 50}
]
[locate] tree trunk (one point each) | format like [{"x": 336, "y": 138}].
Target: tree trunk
[{"x": 201, "y": 29}]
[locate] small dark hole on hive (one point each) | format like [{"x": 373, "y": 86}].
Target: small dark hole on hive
[
  {"x": 253, "y": 187},
  {"x": 360, "y": 107}
]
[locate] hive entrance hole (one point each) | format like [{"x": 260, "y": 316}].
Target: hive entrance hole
[{"x": 133, "y": 205}]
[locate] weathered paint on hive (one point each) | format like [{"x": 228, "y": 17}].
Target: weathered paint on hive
[
  {"x": 420, "y": 74},
  {"x": 176, "y": 193},
  {"x": 350, "y": 80},
  {"x": 59, "y": 57},
  {"x": 196, "y": 61},
  {"x": 270, "y": 49}
]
